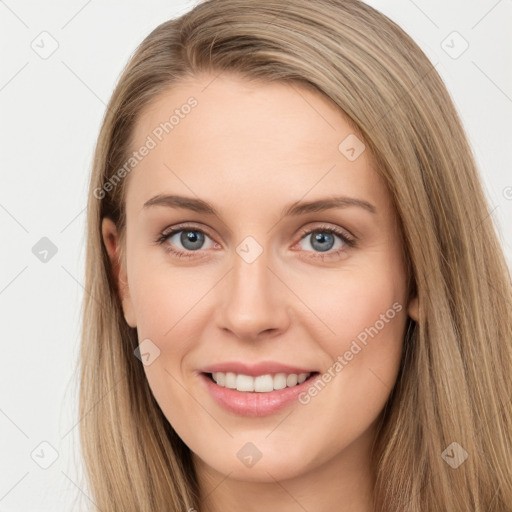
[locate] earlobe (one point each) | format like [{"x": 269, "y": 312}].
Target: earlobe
[
  {"x": 112, "y": 244},
  {"x": 413, "y": 308}
]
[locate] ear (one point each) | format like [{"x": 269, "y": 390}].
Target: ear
[
  {"x": 112, "y": 244},
  {"x": 413, "y": 308}
]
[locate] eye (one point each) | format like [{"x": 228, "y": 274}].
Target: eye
[
  {"x": 324, "y": 238},
  {"x": 191, "y": 239}
]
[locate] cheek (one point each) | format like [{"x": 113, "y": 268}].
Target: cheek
[
  {"x": 363, "y": 319},
  {"x": 363, "y": 357},
  {"x": 165, "y": 298},
  {"x": 371, "y": 312},
  {"x": 354, "y": 304},
  {"x": 171, "y": 313},
  {"x": 369, "y": 318}
]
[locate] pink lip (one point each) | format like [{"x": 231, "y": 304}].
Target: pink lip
[
  {"x": 263, "y": 368},
  {"x": 252, "y": 403}
]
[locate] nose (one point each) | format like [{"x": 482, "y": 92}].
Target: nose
[{"x": 253, "y": 302}]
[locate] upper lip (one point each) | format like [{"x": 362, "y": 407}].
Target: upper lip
[{"x": 262, "y": 368}]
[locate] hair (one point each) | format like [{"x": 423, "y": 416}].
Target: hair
[{"x": 455, "y": 379}]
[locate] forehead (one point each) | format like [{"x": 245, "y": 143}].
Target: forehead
[
  {"x": 227, "y": 136},
  {"x": 278, "y": 114}
]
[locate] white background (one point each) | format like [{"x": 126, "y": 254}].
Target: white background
[{"x": 51, "y": 111}]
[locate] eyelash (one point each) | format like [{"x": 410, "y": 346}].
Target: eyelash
[{"x": 349, "y": 241}]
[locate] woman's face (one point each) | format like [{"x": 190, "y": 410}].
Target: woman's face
[{"x": 278, "y": 276}]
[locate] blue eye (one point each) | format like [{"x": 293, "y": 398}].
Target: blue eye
[
  {"x": 192, "y": 239},
  {"x": 323, "y": 239}
]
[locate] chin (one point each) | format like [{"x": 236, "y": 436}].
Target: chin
[{"x": 261, "y": 466}]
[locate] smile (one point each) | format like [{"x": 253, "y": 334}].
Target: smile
[
  {"x": 258, "y": 395},
  {"x": 259, "y": 384}
]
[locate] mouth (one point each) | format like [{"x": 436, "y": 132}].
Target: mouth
[
  {"x": 256, "y": 395},
  {"x": 261, "y": 383}
]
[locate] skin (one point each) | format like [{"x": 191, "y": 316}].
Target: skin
[{"x": 250, "y": 149}]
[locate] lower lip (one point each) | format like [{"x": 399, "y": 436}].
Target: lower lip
[{"x": 251, "y": 403}]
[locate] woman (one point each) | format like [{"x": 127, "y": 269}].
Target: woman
[{"x": 297, "y": 299}]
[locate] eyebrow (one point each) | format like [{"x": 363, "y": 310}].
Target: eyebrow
[{"x": 294, "y": 209}]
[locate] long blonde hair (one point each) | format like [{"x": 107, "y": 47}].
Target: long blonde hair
[{"x": 455, "y": 381}]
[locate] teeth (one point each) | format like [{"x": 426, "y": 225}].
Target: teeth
[
  {"x": 259, "y": 384},
  {"x": 263, "y": 383},
  {"x": 230, "y": 380},
  {"x": 292, "y": 380},
  {"x": 244, "y": 383},
  {"x": 221, "y": 379},
  {"x": 279, "y": 381}
]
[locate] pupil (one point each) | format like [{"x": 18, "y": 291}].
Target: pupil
[
  {"x": 325, "y": 241},
  {"x": 192, "y": 238}
]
